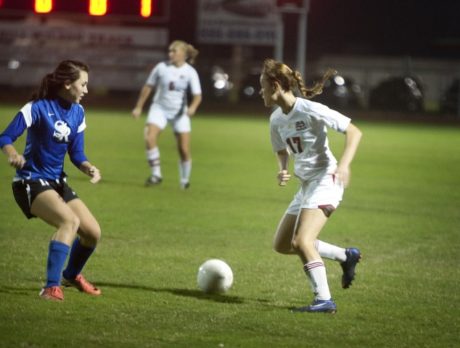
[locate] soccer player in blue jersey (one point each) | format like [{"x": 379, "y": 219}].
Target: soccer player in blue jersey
[
  {"x": 55, "y": 124},
  {"x": 299, "y": 130}
]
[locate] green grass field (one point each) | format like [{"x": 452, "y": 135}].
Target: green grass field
[{"x": 402, "y": 210}]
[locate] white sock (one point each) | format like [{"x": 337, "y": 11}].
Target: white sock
[
  {"x": 153, "y": 157},
  {"x": 330, "y": 251},
  {"x": 185, "y": 169},
  {"x": 318, "y": 278}
]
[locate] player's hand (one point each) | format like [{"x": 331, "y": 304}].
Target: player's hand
[
  {"x": 342, "y": 176},
  {"x": 191, "y": 112},
  {"x": 95, "y": 175},
  {"x": 17, "y": 161},
  {"x": 136, "y": 113},
  {"x": 283, "y": 177}
]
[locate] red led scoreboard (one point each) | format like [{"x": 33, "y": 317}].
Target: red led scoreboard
[{"x": 137, "y": 10}]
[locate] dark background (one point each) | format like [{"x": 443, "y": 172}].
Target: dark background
[
  {"x": 419, "y": 28},
  {"x": 419, "y": 39},
  {"x": 422, "y": 28}
]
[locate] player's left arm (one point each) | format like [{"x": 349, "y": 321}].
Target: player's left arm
[
  {"x": 79, "y": 159},
  {"x": 91, "y": 170},
  {"x": 196, "y": 101},
  {"x": 195, "y": 88},
  {"x": 352, "y": 138}
]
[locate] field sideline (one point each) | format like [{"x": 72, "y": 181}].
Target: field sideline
[{"x": 402, "y": 210}]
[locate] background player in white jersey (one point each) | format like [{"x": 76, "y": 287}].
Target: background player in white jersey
[
  {"x": 171, "y": 80},
  {"x": 55, "y": 123},
  {"x": 299, "y": 128}
]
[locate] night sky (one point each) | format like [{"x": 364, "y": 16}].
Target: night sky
[
  {"x": 420, "y": 28},
  {"x": 409, "y": 27}
]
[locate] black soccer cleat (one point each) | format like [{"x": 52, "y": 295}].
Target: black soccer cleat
[
  {"x": 153, "y": 180},
  {"x": 348, "y": 266}
]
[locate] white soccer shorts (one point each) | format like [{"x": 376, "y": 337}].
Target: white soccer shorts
[
  {"x": 316, "y": 194},
  {"x": 161, "y": 118}
]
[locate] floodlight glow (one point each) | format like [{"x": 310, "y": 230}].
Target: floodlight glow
[
  {"x": 146, "y": 8},
  {"x": 98, "y": 7},
  {"x": 43, "y": 6}
]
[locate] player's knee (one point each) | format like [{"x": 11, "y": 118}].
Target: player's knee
[
  {"x": 150, "y": 137},
  {"x": 150, "y": 141},
  {"x": 184, "y": 152},
  {"x": 96, "y": 233},
  {"x": 295, "y": 244},
  {"x": 184, "y": 157},
  {"x": 71, "y": 223},
  {"x": 302, "y": 244},
  {"x": 92, "y": 234}
]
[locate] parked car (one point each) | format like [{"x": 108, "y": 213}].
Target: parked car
[
  {"x": 398, "y": 94},
  {"x": 250, "y": 87},
  {"x": 450, "y": 99},
  {"x": 215, "y": 82},
  {"x": 339, "y": 92}
]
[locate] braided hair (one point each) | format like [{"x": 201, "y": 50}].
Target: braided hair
[{"x": 290, "y": 80}]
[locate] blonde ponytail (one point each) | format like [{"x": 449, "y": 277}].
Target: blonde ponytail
[{"x": 191, "y": 53}]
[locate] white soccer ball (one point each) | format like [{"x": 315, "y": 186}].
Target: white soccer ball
[{"x": 215, "y": 276}]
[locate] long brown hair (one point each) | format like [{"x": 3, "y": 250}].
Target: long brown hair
[
  {"x": 190, "y": 52},
  {"x": 66, "y": 71},
  {"x": 290, "y": 80}
]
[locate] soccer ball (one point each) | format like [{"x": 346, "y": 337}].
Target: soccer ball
[{"x": 214, "y": 276}]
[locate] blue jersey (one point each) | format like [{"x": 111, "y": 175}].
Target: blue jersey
[{"x": 54, "y": 127}]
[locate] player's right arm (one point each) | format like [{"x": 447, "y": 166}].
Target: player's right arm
[
  {"x": 283, "y": 162},
  {"x": 14, "y": 158},
  {"x": 149, "y": 85},
  {"x": 282, "y": 154},
  {"x": 144, "y": 94},
  {"x": 15, "y": 129}
]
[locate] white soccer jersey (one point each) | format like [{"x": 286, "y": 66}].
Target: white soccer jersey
[
  {"x": 171, "y": 83},
  {"x": 303, "y": 131}
]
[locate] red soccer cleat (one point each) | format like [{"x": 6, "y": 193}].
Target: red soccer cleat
[
  {"x": 53, "y": 293},
  {"x": 82, "y": 284}
]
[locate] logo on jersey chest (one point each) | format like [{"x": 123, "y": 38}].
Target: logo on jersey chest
[
  {"x": 178, "y": 83},
  {"x": 300, "y": 125},
  {"x": 61, "y": 132}
]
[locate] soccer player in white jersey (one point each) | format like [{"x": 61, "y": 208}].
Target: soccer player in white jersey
[
  {"x": 299, "y": 129},
  {"x": 55, "y": 123},
  {"x": 171, "y": 80}
]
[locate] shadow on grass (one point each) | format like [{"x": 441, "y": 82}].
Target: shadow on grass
[
  {"x": 25, "y": 291},
  {"x": 197, "y": 294},
  {"x": 222, "y": 298},
  {"x": 113, "y": 182}
]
